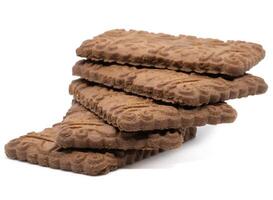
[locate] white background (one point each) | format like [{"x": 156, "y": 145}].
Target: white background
[{"x": 37, "y": 50}]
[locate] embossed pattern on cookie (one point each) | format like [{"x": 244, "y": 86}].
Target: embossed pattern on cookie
[
  {"x": 83, "y": 129},
  {"x": 183, "y": 53},
  {"x": 168, "y": 85},
  {"x": 132, "y": 113},
  {"x": 40, "y": 148}
]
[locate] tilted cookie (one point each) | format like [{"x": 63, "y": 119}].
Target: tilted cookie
[
  {"x": 131, "y": 113},
  {"x": 183, "y": 53},
  {"x": 41, "y": 149},
  {"x": 81, "y": 128},
  {"x": 168, "y": 85}
]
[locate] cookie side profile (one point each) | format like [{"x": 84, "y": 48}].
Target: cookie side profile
[
  {"x": 40, "y": 148},
  {"x": 131, "y": 113},
  {"x": 168, "y": 85},
  {"x": 83, "y": 129},
  {"x": 181, "y": 53}
]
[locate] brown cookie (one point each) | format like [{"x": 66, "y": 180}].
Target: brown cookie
[
  {"x": 131, "y": 113},
  {"x": 40, "y": 148},
  {"x": 183, "y": 53},
  {"x": 168, "y": 85},
  {"x": 83, "y": 129}
]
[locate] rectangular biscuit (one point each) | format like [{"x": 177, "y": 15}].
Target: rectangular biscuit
[
  {"x": 40, "y": 148},
  {"x": 81, "y": 128},
  {"x": 182, "y": 53},
  {"x": 132, "y": 113},
  {"x": 168, "y": 85}
]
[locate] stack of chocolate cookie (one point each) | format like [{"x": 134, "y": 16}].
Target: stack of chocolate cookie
[{"x": 139, "y": 94}]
